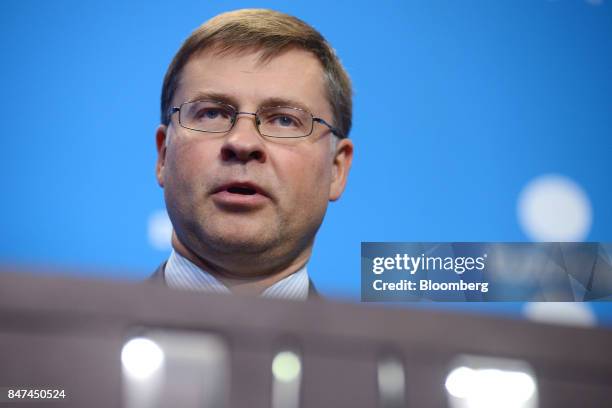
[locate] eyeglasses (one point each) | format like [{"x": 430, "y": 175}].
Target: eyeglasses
[{"x": 276, "y": 121}]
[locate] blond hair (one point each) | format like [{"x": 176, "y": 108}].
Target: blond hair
[{"x": 271, "y": 33}]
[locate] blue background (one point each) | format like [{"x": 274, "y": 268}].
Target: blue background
[{"x": 458, "y": 104}]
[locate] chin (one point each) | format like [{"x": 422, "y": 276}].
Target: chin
[{"x": 245, "y": 242}]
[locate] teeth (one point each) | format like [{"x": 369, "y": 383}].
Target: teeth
[{"x": 241, "y": 190}]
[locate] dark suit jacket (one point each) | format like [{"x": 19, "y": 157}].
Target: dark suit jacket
[{"x": 158, "y": 277}]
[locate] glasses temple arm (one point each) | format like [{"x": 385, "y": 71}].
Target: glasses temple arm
[{"x": 334, "y": 130}]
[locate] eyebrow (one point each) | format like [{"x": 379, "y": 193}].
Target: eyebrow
[
  {"x": 214, "y": 96},
  {"x": 270, "y": 102},
  {"x": 230, "y": 100}
]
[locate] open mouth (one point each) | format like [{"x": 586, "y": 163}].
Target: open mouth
[
  {"x": 242, "y": 190},
  {"x": 240, "y": 196}
]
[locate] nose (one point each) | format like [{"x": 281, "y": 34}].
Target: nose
[{"x": 243, "y": 142}]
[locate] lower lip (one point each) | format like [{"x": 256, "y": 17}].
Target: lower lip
[{"x": 239, "y": 201}]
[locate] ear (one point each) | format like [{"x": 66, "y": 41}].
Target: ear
[
  {"x": 160, "y": 139},
  {"x": 343, "y": 157}
]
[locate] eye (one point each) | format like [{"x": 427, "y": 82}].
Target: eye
[
  {"x": 284, "y": 121},
  {"x": 211, "y": 113}
]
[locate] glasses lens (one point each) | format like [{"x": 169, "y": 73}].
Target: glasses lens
[
  {"x": 206, "y": 116},
  {"x": 284, "y": 122}
]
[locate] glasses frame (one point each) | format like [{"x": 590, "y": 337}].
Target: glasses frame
[{"x": 236, "y": 112}]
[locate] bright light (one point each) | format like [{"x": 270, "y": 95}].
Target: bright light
[
  {"x": 286, "y": 366},
  {"x": 485, "y": 388},
  {"x": 563, "y": 313},
  {"x": 141, "y": 358},
  {"x": 391, "y": 378},
  {"x": 391, "y": 382},
  {"x": 554, "y": 208},
  {"x": 459, "y": 381}
]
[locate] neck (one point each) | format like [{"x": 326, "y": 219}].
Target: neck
[{"x": 252, "y": 284}]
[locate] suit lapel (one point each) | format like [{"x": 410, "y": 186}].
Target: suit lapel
[
  {"x": 313, "y": 293},
  {"x": 158, "y": 275}
]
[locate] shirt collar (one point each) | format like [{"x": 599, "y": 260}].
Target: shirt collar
[{"x": 181, "y": 273}]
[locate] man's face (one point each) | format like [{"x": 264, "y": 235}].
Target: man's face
[{"x": 205, "y": 175}]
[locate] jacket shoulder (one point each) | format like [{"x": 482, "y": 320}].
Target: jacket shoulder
[{"x": 158, "y": 275}]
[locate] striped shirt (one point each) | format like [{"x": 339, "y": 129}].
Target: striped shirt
[{"x": 181, "y": 273}]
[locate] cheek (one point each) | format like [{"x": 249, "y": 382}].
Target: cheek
[
  {"x": 308, "y": 178},
  {"x": 187, "y": 164}
]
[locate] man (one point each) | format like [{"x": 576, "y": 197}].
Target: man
[{"x": 255, "y": 113}]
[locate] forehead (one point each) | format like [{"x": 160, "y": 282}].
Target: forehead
[{"x": 246, "y": 82}]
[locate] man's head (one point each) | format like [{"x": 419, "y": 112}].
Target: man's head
[
  {"x": 270, "y": 33},
  {"x": 241, "y": 203}
]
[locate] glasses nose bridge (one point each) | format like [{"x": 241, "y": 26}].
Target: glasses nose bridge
[
  {"x": 254, "y": 114},
  {"x": 236, "y": 116}
]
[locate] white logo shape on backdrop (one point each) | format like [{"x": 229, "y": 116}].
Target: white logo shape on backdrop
[
  {"x": 554, "y": 208},
  {"x": 160, "y": 230}
]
